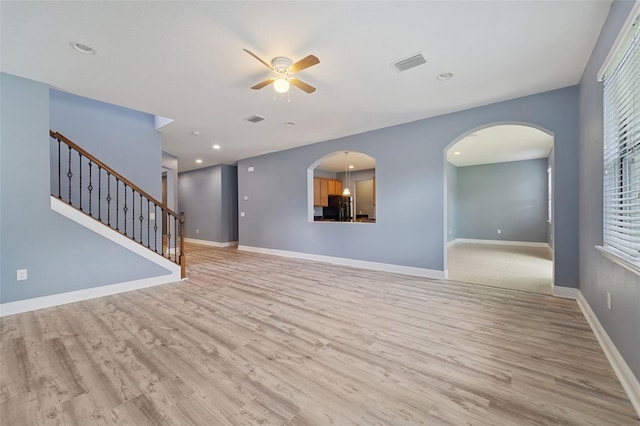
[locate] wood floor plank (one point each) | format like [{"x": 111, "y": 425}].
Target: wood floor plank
[{"x": 254, "y": 339}]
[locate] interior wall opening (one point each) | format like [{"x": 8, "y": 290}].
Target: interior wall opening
[
  {"x": 498, "y": 210},
  {"x": 342, "y": 188}
]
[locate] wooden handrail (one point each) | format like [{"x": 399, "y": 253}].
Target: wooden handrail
[{"x": 139, "y": 190}]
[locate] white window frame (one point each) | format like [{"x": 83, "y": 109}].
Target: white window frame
[{"x": 621, "y": 151}]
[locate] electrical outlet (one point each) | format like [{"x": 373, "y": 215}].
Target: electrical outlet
[
  {"x": 450, "y": 231},
  {"x": 609, "y": 300},
  {"x": 250, "y": 169},
  {"x": 499, "y": 231},
  {"x": 197, "y": 231},
  {"x": 21, "y": 274}
]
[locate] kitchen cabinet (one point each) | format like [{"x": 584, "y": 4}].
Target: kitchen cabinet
[
  {"x": 322, "y": 188},
  {"x": 335, "y": 187},
  {"x": 324, "y": 192},
  {"x": 316, "y": 192}
]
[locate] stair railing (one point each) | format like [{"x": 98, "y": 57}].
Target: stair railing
[{"x": 94, "y": 188}]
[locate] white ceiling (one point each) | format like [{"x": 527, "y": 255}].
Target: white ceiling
[
  {"x": 184, "y": 60},
  {"x": 499, "y": 144},
  {"x": 337, "y": 162}
]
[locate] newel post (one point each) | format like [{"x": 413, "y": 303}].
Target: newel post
[{"x": 182, "y": 259}]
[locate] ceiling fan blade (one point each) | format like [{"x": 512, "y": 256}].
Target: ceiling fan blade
[
  {"x": 304, "y": 63},
  {"x": 256, "y": 56},
  {"x": 263, "y": 84},
  {"x": 302, "y": 85}
]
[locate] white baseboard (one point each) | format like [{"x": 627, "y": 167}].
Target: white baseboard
[
  {"x": 99, "y": 228},
  {"x": 174, "y": 271},
  {"x": 628, "y": 380},
  {"x": 364, "y": 264},
  {"x": 498, "y": 242},
  {"x": 566, "y": 292},
  {"x": 211, "y": 243},
  {"x": 36, "y": 303}
]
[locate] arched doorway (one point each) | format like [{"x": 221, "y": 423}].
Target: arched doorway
[{"x": 499, "y": 207}]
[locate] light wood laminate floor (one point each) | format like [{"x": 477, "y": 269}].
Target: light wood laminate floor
[
  {"x": 508, "y": 266},
  {"x": 254, "y": 340}
]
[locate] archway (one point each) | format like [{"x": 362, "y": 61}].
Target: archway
[
  {"x": 499, "y": 207},
  {"x": 341, "y": 188}
]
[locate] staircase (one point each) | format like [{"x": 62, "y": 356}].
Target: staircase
[{"x": 92, "y": 187}]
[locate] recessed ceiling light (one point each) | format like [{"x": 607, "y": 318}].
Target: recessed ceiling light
[
  {"x": 195, "y": 133},
  {"x": 83, "y": 48},
  {"x": 351, "y": 166},
  {"x": 457, "y": 153},
  {"x": 216, "y": 146},
  {"x": 198, "y": 161},
  {"x": 289, "y": 124},
  {"x": 444, "y": 76}
]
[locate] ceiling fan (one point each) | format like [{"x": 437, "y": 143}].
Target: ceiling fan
[{"x": 284, "y": 70}]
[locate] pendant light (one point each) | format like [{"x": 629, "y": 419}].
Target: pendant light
[{"x": 346, "y": 192}]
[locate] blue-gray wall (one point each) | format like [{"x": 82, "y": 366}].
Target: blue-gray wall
[
  {"x": 209, "y": 199},
  {"x": 410, "y": 184},
  {"x": 123, "y": 138},
  {"x": 599, "y": 275},
  {"x": 59, "y": 254},
  {"x": 452, "y": 201},
  {"x": 509, "y": 196}
]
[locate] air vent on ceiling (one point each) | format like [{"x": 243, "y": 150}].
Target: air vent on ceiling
[
  {"x": 408, "y": 63},
  {"x": 254, "y": 118}
]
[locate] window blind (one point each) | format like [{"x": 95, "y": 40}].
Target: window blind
[{"x": 621, "y": 182}]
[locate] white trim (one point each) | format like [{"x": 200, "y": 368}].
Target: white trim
[
  {"x": 622, "y": 36},
  {"x": 499, "y": 242},
  {"x": 99, "y": 228},
  {"x": 628, "y": 380},
  {"x": 566, "y": 292},
  {"x": 364, "y": 264},
  {"x": 36, "y": 303},
  {"x": 620, "y": 258},
  {"x": 211, "y": 243},
  {"x": 452, "y": 242}
]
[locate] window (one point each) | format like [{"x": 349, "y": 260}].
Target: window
[{"x": 621, "y": 179}]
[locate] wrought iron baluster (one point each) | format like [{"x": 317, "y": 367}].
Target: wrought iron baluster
[
  {"x": 133, "y": 213},
  {"x": 125, "y": 209},
  {"x": 175, "y": 239},
  {"x": 59, "y": 171},
  {"x": 148, "y": 226},
  {"x": 117, "y": 204},
  {"x": 141, "y": 219},
  {"x": 168, "y": 234},
  {"x": 99, "y": 193},
  {"x": 155, "y": 228},
  {"x": 90, "y": 187},
  {"x": 69, "y": 175},
  {"x": 108, "y": 198},
  {"x": 80, "y": 185}
]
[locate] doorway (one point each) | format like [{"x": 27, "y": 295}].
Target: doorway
[{"x": 499, "y": 205}]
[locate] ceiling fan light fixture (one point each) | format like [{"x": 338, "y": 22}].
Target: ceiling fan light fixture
[{"x": 281, "y": 85}]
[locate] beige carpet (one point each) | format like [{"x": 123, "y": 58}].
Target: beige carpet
[{"x": 515, "y": 267}]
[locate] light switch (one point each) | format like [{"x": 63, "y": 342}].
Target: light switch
[
  {"x": 152, "y": 216},
  {"x": 246, "y": 197},
  {"x": 250, "y": 169},
  {"x": 241, "y": 214}
]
